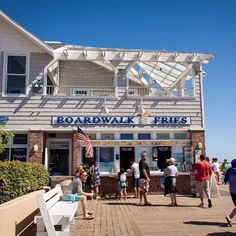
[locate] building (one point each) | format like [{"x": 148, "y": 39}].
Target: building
[{"x": 127, "y": 101}]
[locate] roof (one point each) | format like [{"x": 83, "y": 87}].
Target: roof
[
  {"x": 148, "y": 67},
  {"x": 30, "y": 36}
]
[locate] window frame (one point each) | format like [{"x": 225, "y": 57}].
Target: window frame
[{"x": 5, "y": 74}]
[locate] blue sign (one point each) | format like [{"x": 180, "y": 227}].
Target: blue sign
[{"x": 3, "y": 120}]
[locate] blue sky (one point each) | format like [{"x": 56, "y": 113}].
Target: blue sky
[{"x": 175, "y": 25}]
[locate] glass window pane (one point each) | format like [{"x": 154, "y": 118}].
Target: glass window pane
[
  {"x": 126, "y": 136},
  {"x": 107, "y": 137},
  {"x": 181, "y": 136},
  {"x": 19, "y": 154},
  {"x": 144, "y": 136},
  {"x": 16, "y": 64},
  {"x": 92, "y": 136},
  {"x": 4, "y": 155},
  {"x": 16, "y": 84},
  {"x": 20, "y": 139},
  {"x": 163, "y": 136},
  {"x": 106, "y": 159},
  {"x": 86, "y": 159}
]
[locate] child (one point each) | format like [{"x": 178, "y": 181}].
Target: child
[{"x": 122, "y": 183}]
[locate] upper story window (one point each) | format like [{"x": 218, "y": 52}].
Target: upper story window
[
  {"x": 15, "y": 74},
  {"x": 181, "y": 136},
  {"x": 107, "y": 137},
  {"x": 163, "y": 136},
  {"x": 144, "y": 136},
  {"x": 126, "y": 136}
]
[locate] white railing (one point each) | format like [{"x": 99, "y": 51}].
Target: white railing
[
  {"x": 81, "y": 91},
  {"x": 159, "y": 92}
]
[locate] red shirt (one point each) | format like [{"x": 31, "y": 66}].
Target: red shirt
[{"x": 202, "y": 170}]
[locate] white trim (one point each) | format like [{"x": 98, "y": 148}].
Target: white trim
[
  {"x": 6, "y": 54},
  {"x": 30, "y": 36}
]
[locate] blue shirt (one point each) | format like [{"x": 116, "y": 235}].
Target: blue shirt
[{"x": 231, "y": 177}]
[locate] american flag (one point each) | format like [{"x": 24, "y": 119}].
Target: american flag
[{"x": 84, "y": 137}]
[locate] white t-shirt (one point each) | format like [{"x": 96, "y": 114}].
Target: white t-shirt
[
  {"x": 135, "y": 170},
  {"x": 216, "y": 167},
  {"x": 171, "y": 170},
  {"x": 123, "y": 177}
]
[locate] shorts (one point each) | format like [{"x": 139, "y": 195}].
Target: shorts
[
  {"x": 123, "y": 185},
  {"x": 135, "y": 182},
  {"x": 144, "y": 185}
]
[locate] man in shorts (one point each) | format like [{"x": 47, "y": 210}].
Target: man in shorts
[
  {"x": 76, "y": 187},
  {"x": 203, "y": 171},
  {"x": 144, "y": 179},
  {"x": 135, "y": 177}
]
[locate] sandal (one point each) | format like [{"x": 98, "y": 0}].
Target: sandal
[
  {"x": 90, "y": 212},
  {"x": 88, "y": 217}
]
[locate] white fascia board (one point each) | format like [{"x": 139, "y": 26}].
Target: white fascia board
[
  {"x": 30, "y": 36},
  {"x": 100, "y": 54}
]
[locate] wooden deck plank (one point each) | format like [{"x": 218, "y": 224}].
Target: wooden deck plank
[{"x": 115, "y": 217}]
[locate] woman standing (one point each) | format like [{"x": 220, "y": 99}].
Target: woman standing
[
  {"x": 230, "y": 177},
  {"x": 170, "y": 181},
  {"x": 94, "y": 177}
]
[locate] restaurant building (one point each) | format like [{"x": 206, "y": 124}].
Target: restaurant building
[{"x": 126, "y": 100}]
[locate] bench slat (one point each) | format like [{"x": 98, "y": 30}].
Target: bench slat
[{"x": 51, "y": 193}]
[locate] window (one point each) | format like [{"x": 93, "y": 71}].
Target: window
[
  {"x": 16, "y": 73},
  {"x": 163, "y": 136},
  {"x": 80, "y": 92},
  {"x": 92, "y": 136},
  {"x": 107, "y": 137},
  {"x": 18, "y": 147},
  {"x": 181, "y": 136},
  {"x": 144, "y": 136},
  {"x": 20, "y": 139},
  {"x": 106, "y": 159},
  {"x": 126, "y": 136}
]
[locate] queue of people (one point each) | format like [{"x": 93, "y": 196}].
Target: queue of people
[{"x": 203, "y": 169}]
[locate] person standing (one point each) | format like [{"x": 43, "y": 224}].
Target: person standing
[
  {"x": 122, "y": 184},
  {"x": 230, "y": 177},
  {"x": 202, "y": 171},
  {"x": 135, "y": 177},
  {"x": 76, "y": 186},
  {"x": 94, "y": 177},
  {"x": 144, "y": 179},
  {"x": 216, "y": 169},
  {"x": 171, "y": 173},
  {"x": 225, "y": 166}
]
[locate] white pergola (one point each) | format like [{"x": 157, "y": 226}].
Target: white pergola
[{"x": 146, "y": 67}]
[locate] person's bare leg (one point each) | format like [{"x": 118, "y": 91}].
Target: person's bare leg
[
  {"x": 145, "y": 197},
  {"x": 125, "y": 193},
  {"x": 83, "y": 200},
  {"x": 135, "y": 192},
  {"x": 97, "y": 192},
  {"x": 141, "y": 197}
]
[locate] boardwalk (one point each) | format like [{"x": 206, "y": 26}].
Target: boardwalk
[{"x": 114, "y": 217}]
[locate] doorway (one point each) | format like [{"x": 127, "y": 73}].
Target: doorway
[
  {"x": 126, "y": 155},
  {"x": 59, "y": 157},
  {"x": 164, "y": 153}
]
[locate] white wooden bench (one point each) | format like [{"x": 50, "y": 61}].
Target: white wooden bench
[{"x": 54, "y": 212}]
